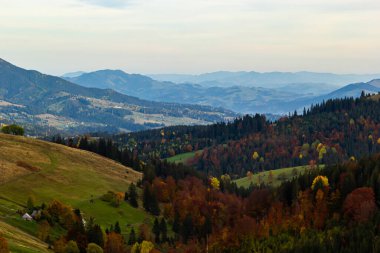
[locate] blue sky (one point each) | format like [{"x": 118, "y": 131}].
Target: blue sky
[{"x": 177, "y": 36}]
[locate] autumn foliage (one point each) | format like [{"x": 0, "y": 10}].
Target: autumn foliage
[
  {"x": 360, "y": 204},
  {"x": 3, "y": 245}
]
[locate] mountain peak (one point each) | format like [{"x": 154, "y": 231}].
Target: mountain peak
[
  {"x": 4, "y": 61},
  {"x": 375, "y": 82}
]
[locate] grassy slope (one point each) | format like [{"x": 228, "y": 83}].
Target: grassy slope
[
  {"x": 182, "y": 158},
  {"x": 279, "y": 176},
  {"x": 20, "y": 241},
  {"x": 69, "y": 175}
]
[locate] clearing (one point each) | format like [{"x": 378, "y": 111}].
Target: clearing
[{"x": 278, "y": 176}]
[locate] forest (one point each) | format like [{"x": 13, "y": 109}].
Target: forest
[
  {"x": 199, "y": 208},
  {"x": 326, "y": 133}
]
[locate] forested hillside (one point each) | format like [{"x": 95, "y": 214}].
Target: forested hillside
[
  {"x": 327, "y": 133},
  {"x": 329, "y": 208}
]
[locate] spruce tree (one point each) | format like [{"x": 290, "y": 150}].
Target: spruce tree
[
  {"x": 147, "y": 197},
  {"x": 132, "y": 237},
  {"x": 117, "y": 229},
  {"x": 187, "y": 228},
  {"x": 156, "y": 230},
  {"x": 163, "y": 230},
  {"x": 176, "y": 223},
  {"x": 132, "y": 195},
  {"x": 154, "y": 207}
]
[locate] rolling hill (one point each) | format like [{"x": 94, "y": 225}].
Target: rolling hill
[
  {"x": 48, "y": 171},
  {"x": 268, "y": 79},
  {"x": 19, "y": 241},
  {"x": 241, "y": 99},
  {"x": 352, "y": 90},
  {"x": 276, "y": 93},
  {"x": 51, "y": 103}
]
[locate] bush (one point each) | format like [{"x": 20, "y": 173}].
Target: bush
[
  {"x": 94, "y": 248},
  {"x": 12, "y": 129},
  {"x": 3, "y": 245}
]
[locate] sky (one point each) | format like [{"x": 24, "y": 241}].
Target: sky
[{"x": 197, "y": 36}]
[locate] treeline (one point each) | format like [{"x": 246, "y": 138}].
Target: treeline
[
  {"x": 327, "y": 133},
  {"x": 331, "y": 132},
  {"x": 103, "y": 147},
  {"x": 168, "y": 141},
  {"x": 129, "y": 156}
]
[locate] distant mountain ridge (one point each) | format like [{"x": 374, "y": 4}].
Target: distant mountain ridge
[
  {"x": 33, "y": 98},
  {"x": 242, "y": 99},
  {"x": 267, "y": 79},
  {"x": 237, "y": 98},
  {"x": 351, "y": 90}
]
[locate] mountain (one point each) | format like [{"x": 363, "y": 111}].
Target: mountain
[
  {"x": 352, "y": 90},
  {"x": 131, "y": 84},
  {"x": 237, "y": 98},
  {"x": 292, "y": 92},
  {"x": 74, "y": 74},
  {"x": 51, "y": 103},
  {"x": 268, "y": 80}
]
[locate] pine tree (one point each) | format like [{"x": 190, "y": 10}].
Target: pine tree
[
  {"x": 83, "y": 143},
  {"x": 164, "y": 230},
  {"x": 150, "y": 202},
  {"x": 132, "y": 195},
  {"x": 207, "y": 226},
  {"x": 147, "y": 197},
  {"x": 156, "y": 230},
  {"x": 176, "y": 223},
  {"x": 95, "y": 234},
  {"x": 132, "y": 237},
  {"x": 187, "y": 228},
  {"x": 30, "y": 204},
  {"x": 117, "y": 229},
  {"x": 154, "y": 207}
]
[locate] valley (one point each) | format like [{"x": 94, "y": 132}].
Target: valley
[{"x": 46, "y": 105}]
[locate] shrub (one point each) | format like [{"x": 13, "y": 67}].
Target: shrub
[{"x": 12, "y": 129}]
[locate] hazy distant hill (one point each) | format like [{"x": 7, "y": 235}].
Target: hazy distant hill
[
  {"x": 351, "y": 90},
  {"x": 237, "y": 98},
  {"x": 74, "y": 74},
  {"x": 29, "y": 97},
  {"x": 282, "y": 99},
  {"x": 267, "y": 80}
]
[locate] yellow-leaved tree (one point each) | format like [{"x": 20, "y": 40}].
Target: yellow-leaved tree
[
  {"x": 320, "y": 182},
  {"x": 146, "y": 247},
  {"x": 215, "y": 183}
]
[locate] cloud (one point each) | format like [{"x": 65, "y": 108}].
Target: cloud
[{"x": 108, "y": 3}]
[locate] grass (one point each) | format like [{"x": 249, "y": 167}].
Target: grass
[
  {"x": 107, "y": 215},
  {"x": 278, "y": 176},
  {"x": 183, "y": 158},
  {"x": 20, "y": 241},
  {"x": 69, "y": 175}
]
